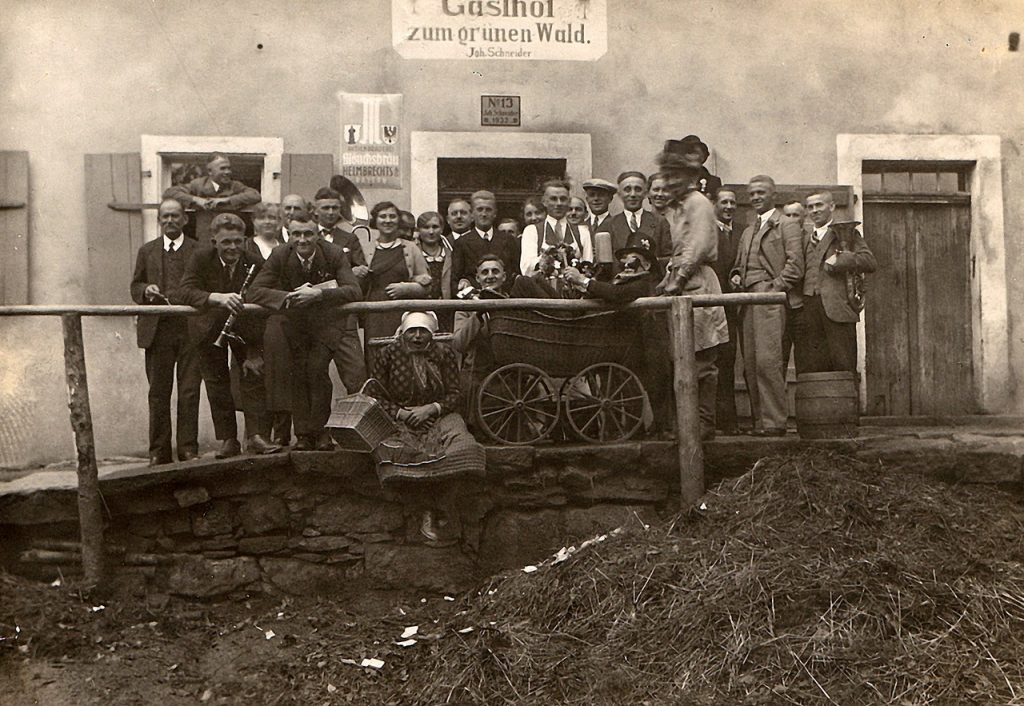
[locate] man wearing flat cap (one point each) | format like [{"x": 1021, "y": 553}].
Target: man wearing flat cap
[
  {"x": 636, "y": 226},
  {"x": 213, "y": 282},
  {"x": 216, "y": 191},
  {"x": 599, "y": 193},
  {"x": 691, "y": 219},
  {"x": 696, "y": 153}
]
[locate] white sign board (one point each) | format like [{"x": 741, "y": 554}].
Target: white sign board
[{"x": 509, "y": 30}]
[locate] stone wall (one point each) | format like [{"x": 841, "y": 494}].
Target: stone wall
[{"x": 312, "y": 522}]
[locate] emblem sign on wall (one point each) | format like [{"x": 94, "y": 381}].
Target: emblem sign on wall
[
  {"x": 371, "y": 138},
  {"x": 506, "y": 30}
]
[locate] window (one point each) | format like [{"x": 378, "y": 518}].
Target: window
[{"x": 917, "y": 178}]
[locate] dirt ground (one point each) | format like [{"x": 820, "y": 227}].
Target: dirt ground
[{"x": 811, "y": 579}]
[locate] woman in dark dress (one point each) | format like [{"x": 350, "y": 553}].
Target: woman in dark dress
[
  {"x": 438, "y": 255},
  {"x": 419, "y": 389},
  {"x": 397, "y": 271},
  {"x": 277, "y": 359}
]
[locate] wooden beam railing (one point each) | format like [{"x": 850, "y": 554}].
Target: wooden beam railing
[{"x": 680, "y": 313}]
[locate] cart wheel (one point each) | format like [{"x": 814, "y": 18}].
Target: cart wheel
[
  {"x": 604, "y": 402},
  {"x": 517, "y": 404}
]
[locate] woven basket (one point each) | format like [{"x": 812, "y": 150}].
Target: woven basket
[
  {"x": 562, "y": 344},
  {"x": 359, "y": 423}
]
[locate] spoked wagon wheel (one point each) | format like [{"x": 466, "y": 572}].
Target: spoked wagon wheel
[
  {"x": 604, "y": 402},
  {"x": 517, "y": 404}
]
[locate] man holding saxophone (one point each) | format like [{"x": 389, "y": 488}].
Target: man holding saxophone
[{"x": 215, "y": 280}]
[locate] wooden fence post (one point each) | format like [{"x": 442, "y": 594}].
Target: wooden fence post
[
  {"x": 90, "y": 510},
  {"x": 684, "y": 366}
]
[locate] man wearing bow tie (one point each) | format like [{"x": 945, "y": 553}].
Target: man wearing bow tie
[
  {"x": 770, "y": 258},
  {"x": 213, "y": 282},
  {"x": 828, "y": 337},
  {"x": 554, "y": 230},
  {"x": 158, "y": 270}
]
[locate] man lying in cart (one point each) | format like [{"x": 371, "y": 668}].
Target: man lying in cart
[
  {"x": 638, "y": 276},
  {"x": 470, "y": 337}
]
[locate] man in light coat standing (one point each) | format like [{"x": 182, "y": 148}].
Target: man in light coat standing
[{"x": 769, "y": 258}]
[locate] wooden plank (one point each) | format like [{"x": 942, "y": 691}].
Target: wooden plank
[
  {"x": 644, "y": 304},
  {"x": 90, "y": 509},
  {"x": 943, "y": 368},
  {"x": 684, "y": 382},
  {"x": 112, "y": 237},
  {"x": 304, "y": 174},
  {"x": 14, "y": 228},
  {"x": 887, "y": 358}
]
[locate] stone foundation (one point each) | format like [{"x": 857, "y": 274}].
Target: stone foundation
[{"x": 308, "y": 523}]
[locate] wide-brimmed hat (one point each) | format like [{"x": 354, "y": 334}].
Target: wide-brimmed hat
[{"x": 684, "y": 145}]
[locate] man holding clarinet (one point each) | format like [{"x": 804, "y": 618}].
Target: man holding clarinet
[{"x": 215, "y": 280}]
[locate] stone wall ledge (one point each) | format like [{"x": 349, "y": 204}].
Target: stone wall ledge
[{"x": 315, "y": 522}]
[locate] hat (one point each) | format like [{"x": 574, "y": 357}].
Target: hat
[
  {"x": 417, "y": 319},
  {"x": 684, "y": 145},
  {"x": 602, "y": 184},
  {"x": 226, "y": 220},
  {"x": 638, "y": 249}
]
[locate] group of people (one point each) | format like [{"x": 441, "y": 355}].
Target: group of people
[{"x": 306, "y": 258}]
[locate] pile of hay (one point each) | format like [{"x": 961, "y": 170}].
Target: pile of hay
[{"x": 812, "y": 578}]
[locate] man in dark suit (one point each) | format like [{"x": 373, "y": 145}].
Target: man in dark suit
[
  {"x": 770, "y": 259},
  {"x": 460, "y": 220},
  {"x": 307, "y": 278},
  {"x": 213, "y": 281},
  {"x": 483, "y": 239},
  {"x": 158, "y": 271},
  {"x": 725, "y": 209},
  {"x": 827, "y": 339},
  {"x": 636, "y": 227},
  {"x": 600, "y": 193},
  {"x": 215, "y": 192},
  {"x": 328, "y": 210}
]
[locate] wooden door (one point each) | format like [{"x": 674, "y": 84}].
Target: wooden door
[{"x": 918, "y": 310}]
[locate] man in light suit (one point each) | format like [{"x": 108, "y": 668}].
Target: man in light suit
[
  {"x": 635, "y": 226},
  {"x": 827, "y": 340},
  {"x": 159, "y": 268},
  {"x": 769, "y": 258},
  {"x": 554, "y": 230}
]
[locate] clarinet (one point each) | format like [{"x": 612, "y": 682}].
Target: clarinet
[{"x": 225, "y": 337}]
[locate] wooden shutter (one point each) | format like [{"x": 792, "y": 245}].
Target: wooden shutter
[
  {"x": 14, "y": 227},
  {"x": 303, "y": 174},
  {"x": 113, "y": 237}
]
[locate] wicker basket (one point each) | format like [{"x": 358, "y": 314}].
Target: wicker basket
[
  {"x": 562, "y": 344},
  {"x": 359, "y": 423}
]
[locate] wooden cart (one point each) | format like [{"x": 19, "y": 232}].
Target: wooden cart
[{"x": 577, "y": 373}]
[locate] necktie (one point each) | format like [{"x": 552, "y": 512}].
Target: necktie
[
  {"x": 633, "y": 225},
  {"x": 170, "y": 248},
  {"x": 558, "y": 231},
  {"x": 307, "y": 266}
]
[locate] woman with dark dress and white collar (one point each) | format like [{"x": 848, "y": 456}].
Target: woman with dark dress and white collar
[
  {"x": 277, "y": 359},
  {"x": 397, "y": 270}
]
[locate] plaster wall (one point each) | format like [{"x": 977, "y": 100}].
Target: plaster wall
[{"x": 768, "y": 83}]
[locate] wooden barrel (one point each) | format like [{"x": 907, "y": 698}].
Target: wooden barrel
[{"x": 827, "y": 405}]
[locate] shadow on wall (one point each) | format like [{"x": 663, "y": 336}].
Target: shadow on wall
[{"x": 35, "y": 426}]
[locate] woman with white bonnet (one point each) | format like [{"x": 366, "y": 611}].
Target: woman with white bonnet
[{"x": 433, "y": 450}]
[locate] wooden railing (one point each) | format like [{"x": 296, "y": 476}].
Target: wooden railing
[{"x": 681, "y": 335}]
